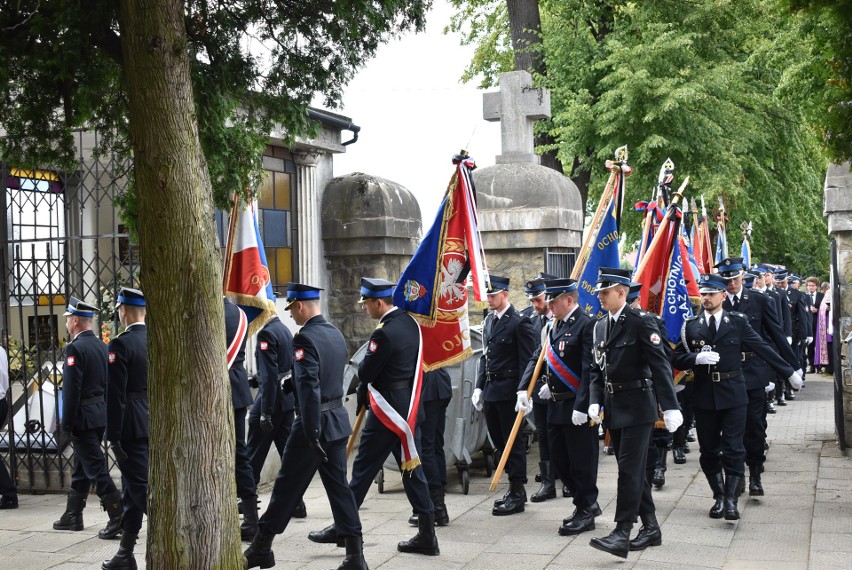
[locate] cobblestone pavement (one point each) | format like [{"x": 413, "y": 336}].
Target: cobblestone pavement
[{"x": 804, "y": 521}]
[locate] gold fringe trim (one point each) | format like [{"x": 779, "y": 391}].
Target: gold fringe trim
[
  {"x": 454, "y": 360},
  {"x": 410, "y": 465},
  {"x": 267, "y": 307}
]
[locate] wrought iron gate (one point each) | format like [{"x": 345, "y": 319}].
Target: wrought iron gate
[{"x": 62, "y": 237}]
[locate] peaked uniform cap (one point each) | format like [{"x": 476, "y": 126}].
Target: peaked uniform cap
[
  {"x": 301, "y": 292},
  {"x": 712, "y": 284},
  {"x": 612, "y": 276},
  {"x": 374, "y": 288},
  {"x": 497, "y": 283},
  {"x": 128, "y": 296},
  {"x": 730, "y": 268},
  {"x": 633, "y": 294},
  {"x": 78, "y": 308},
  {"x": 536, "y": 286},
  {"x": 555, "y": 287}
]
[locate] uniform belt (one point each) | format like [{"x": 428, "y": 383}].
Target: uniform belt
[
  {"x": 613, "y": 387},
  {"x": 502, "y": 374},
  {"x": 719, "y": 376},
  {"x": 137, "y": 395},
  {"x": 559, "y": 396},
  {"x": 748, "y": 355},
  {"x": 95, "y": 400},
  {"x": 331, "y": 405},
  {"x": 392, "y": 386}
]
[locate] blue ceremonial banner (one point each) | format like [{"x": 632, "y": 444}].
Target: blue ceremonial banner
[
  {"x": 676, "y": 306},
  {"x": 745, "y": 253},
  {"x": 415, "y": 292},
  {"x": 604, "y": 254}
]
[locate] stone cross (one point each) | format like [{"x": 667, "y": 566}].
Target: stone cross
[{"x": 516, "y": 106}]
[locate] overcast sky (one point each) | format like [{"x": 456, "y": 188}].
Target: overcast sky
[{"x": 415, "y": 114}]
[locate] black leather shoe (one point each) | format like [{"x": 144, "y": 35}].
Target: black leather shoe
[
  {"x": 425, "y": 541},
  {"x": 412, "y": 520},
  {"x": 582, "y": 521},
  {"x": 502, "y": 499},
  {"x": 301, "y": 511},
  {"x": 328, "y": 535},
  {"x": 770, "y": 408},
  {"x": 9, "y": 502},
  {"x": 649, "y": 534},
  {"x": 686, "y": 446},
  {"x": 259, "y": 553},
  {"x": 732, "y": 482},
  {"x": 781, "y": 402},
  {"x": 678, "y": 455},
  {"x": 567, "y": 493},
  {"x": 595, "y": 509},
  {"x": 755, "y": 487},
  {"x": 515, "y": 503},
  {"x": 717, "y": 485},
  {"x": 618, "y": 541}
]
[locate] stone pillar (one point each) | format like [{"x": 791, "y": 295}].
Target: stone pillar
[
  {"x": 370, "y": 228},
  {"x": 838, "y": 209},
  {"x": 307, "y": 198}
]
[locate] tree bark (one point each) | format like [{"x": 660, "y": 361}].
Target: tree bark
[
  {"x": 525, "y": 29},
  {"x": 192, "y": 515}
]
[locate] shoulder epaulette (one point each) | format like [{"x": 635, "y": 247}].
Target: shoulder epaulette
[{"x": 380, "y": 325}]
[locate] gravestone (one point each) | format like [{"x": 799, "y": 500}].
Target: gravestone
[{"x": 525, "y": 209}]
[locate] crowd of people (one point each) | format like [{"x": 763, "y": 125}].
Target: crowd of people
[{"x": 748, "y": 350}]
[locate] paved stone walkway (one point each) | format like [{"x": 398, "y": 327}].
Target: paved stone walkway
[{"x": 804, "y": 521}]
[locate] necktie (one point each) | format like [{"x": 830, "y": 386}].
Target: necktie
[
  {"x": 609, "y": 324},
  {"x": 736, "y": 303},
  {"x": 713, "y": 325}
]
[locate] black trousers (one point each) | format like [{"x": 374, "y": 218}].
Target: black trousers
[
  {"x": 134, "y": 483},
  {"x": 720, "y": 437},
  {"x": 432, "y": 454},
  {"x": 754, "y": 434},
  {"x": 541, "y": 428},
  {"x": 246, "y": 486},
  {"x": 260, "y": 441},
  {"x": 633, "y": 497},
  {"x": 299, "y": 462},
  {"x": 7, "y": 485},
  {"x": 377, "y": 442},
  {"x": 500, "y": 418},
  {"x": 90, "y": 465},
  {"x": 684, "y": 398},
  {"x": 574, "y": 453}
]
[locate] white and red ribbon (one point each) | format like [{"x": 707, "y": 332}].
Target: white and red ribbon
[{"x": 237, "y": 342}]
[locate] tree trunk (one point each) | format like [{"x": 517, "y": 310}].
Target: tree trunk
[
  {"x": 192, "y": 515},
  {"x": 525, "y": 28}
]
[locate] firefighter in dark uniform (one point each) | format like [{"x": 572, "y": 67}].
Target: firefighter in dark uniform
[
  {"x": 389, "y": 367},
  {"x": 574, "y": 442},
  {"x": 435, "y": 397},
  {"x": 236, "y": 327},
  {"x": 630, "y": 375},
  {"x": 271, "y": 416},
  {"x": 83, "y": 419},
  {"x": 127, "y": 419},
  {"x": 712, "y": 345},
  {"x": 780, "y": 298},
  {"x": 763, "y": 318},
  {"x": 799, "y": 323},
  {"x": 318, "y": 438},
  {"x": 661, "y": 438},
  {"x": 508, "y": 341},
  {"x": 539, "y": 313}
]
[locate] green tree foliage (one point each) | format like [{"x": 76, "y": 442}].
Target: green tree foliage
[
  {"x": 698, "y": 82},
  {"x": 256, "y": 64}
]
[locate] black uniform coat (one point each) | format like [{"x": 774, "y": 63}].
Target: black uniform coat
[
  {"x": 783, "y": 309},
  {"x": 573, "y": 344},
  {"x": 538, "y": 322},
  {"x": 763, "y": 318},
  {"x": 437, "y": 385},
  {"x": 127, "y": 390},
  {"x": 798, "y": 304},
  {"x": 507, "y": 346},
  {"x": 319, "y": 356},
  {"x": 84, "y": 376},
  {"x": 391, "y": 358},
  {"x": 274, "y": 356},
  {"x": 634, "y": 351},
  {"x": 733, "y": 336},
  {"x": 240, "y": 389}
]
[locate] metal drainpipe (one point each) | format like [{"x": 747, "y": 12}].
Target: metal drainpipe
[{"x": 334, "y": 121}]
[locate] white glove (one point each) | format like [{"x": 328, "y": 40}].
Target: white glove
[
  {"x": 544, "y": 393},
  {"x": 809, "y": 340},
  {"x": 708, "y": 357},
  {"x": 579, "y": 418},
  {"x": 796, "y": 381},
  {"x": 800, "y": 373},
  {"x": 476, "y": 399},
  {"x": 523, "y": 403},
  {"x": 770, "y": 387},
  {"x": 595, "y": 413},
  {"x": 673, "y": 419},
  {"x": 790, "y": 340}
]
